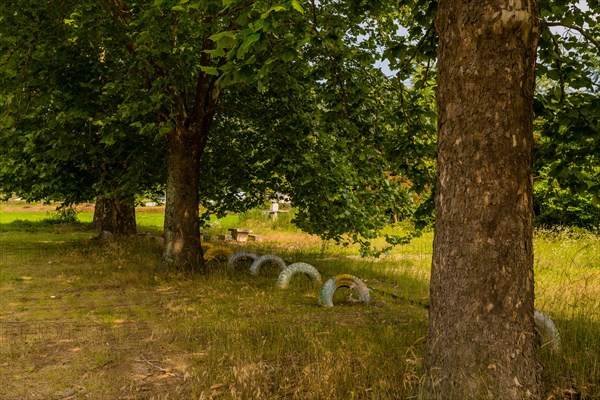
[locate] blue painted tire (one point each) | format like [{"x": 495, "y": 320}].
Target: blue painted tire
[
  {"x": 240, "y": 255},
  {"x": 343, "y": 280},
  {"x": 255, "y": 267},
  {"x": 292, "y": 269},
  {"x": 547, "y": 330}
]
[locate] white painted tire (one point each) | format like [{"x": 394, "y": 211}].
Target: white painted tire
[
  {"x": 240, "y": 255},
  {"x": 343, "y": 280},
  {"x": 547, "y": 330},
  {"x": 255, "y": 267},
  {"x": 292, "y": 269}
]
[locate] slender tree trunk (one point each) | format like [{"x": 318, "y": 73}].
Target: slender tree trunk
[
  {"x": 115, "y": 215},
  {"x": 481, "y": 342},
  {"x": 182, "y": 229}
]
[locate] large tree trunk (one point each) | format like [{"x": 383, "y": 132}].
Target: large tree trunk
[
  {"x": 481, "y": 342},
  {"x": 181, "y": 228},
  {"x": 115, "y": 215}
]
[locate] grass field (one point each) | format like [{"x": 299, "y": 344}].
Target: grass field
[{"x": 81, "y": 319}]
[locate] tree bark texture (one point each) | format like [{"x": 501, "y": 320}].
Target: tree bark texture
[
  {"x": 115, "y": 215},
  {"x": 481, "y": 342},
  {"x": 181, "y": 228},
  {"x": 185, "y": 145}
]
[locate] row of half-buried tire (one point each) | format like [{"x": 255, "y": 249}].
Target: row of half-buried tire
[
  {"x": 548, "y": 332},
  {"x": 287, "y": 272}
]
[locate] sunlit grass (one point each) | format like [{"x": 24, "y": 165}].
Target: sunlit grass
[
  {"x": 567, "y": 268},
  {"x": 228, "y": 333},
  {"x": 106, "y": 321}
]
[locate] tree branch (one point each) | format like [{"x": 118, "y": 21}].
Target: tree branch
[
  {"x": 314, "y": 15},
  {"x": 202, "y": 84},
  {"x": 558, "y": 61},
  {"x": 120, "y": 14},
  {"x": 417, "y": 48},
  {"x": 582, "y": 31}
]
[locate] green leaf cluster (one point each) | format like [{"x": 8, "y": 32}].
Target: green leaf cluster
[{"x": 61, "y": 135}]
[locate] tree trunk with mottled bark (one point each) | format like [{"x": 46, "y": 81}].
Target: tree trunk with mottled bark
[
  {"x": 185, "y": 146},
  {"x": 182, "y": 225},
  {"x": 481, "y": 342},
  {"x": 115, "y": 215}
]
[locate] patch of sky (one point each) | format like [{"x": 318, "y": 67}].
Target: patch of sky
[{"x": 382, "y": 63}]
